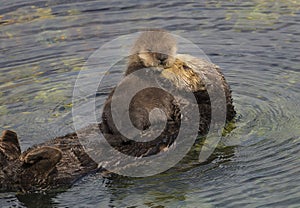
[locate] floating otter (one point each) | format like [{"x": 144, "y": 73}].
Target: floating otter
[
  {"x": 155, "y": 52},
  {"x": 61, "y": 161}
]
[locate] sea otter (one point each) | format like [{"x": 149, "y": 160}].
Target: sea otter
[
  {"x": 155, "y": 52},
  {"x": 63, "y": 160}
]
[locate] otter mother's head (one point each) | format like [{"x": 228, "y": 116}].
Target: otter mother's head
[{"x": 154, "y": 48}]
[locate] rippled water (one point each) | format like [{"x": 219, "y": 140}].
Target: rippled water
[{"x": 44, "y": 44}]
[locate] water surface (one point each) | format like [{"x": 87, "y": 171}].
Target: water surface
[{"x": 44, "y": 44}]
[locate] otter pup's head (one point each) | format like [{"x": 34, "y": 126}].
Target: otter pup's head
[{"x": 155, "y": 48}]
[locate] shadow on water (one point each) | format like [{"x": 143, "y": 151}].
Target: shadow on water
[
  {"x": 158, "y": 190},
  {"x": 37, "y": 200}
]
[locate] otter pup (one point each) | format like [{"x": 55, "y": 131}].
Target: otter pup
[{"x": 155, "y": 51}]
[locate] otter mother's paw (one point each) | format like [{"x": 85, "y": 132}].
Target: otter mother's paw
[{"x": 42, "y": 159}]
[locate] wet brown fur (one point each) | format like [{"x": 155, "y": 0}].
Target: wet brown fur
[{"x": 61, "y": 161}]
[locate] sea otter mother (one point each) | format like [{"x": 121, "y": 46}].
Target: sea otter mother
[
  {"x": 155, "y": 52},
  {"x": 61, "y": 161}
]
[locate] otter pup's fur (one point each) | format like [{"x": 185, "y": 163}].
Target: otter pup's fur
[{"x": 155, "y": 48}]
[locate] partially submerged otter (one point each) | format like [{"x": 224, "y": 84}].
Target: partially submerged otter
[
  {"x": 55, "y": 164},
  {"x": 61, "y": 161}
]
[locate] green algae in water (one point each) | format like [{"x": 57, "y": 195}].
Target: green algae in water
[
  {"x": 261, "y": 14},
  {"x": 3, "y": 110}
]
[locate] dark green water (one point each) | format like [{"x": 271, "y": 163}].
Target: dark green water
[{"x": 44, "y": 44}]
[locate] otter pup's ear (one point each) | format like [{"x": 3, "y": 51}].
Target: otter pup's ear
[
  {"x": 41, "y": 160},
  {"x": 9, "y": 145}
]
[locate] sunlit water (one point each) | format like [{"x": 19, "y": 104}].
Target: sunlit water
[{"x": 44, "y": 44}]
